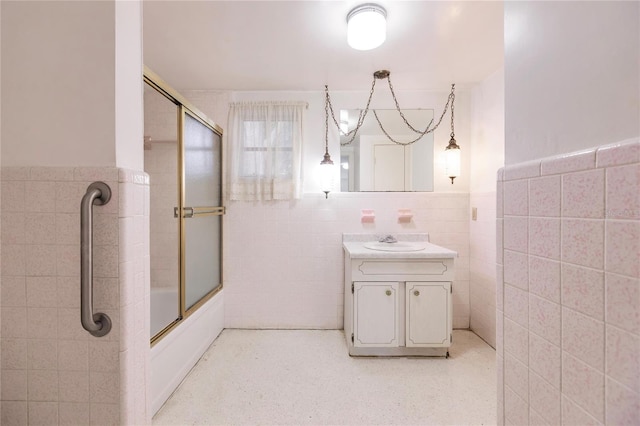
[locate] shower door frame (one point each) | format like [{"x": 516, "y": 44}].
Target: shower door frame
[{"x": 186, "y": 108}]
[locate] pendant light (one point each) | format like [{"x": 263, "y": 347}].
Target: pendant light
[
  {"x": 326, "y": 165},
  {"x": 452, "y": 154}
]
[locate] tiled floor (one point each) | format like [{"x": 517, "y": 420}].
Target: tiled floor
[{"x": 292, "y": 377}]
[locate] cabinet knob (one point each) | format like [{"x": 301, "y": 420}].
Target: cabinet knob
[
  {"x": 416, "y": 293},
  {"x": 388, "y": 292}
]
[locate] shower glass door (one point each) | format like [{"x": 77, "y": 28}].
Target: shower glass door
[
  {"x": 161, "y": 138},
  {"x": 201, "y": 210},
  {"x": 183, "y": 157}
]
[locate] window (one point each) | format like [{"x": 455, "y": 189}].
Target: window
[{"x": 265, "y": 150}]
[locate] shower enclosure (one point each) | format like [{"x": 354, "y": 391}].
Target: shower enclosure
[{"x": 183, "y": 157}]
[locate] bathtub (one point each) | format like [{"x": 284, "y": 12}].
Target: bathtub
[{"x": 176, "y": 353}]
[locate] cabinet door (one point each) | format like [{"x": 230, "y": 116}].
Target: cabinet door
[
  {"x": 375, "y": 314},
  {"x": 428, "y": 314}
]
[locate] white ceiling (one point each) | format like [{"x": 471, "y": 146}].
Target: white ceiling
[{"x": 301, "y": 45}]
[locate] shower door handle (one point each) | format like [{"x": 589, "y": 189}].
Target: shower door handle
[
  {"x": 99, "y": 324},
  {"x": 188, "y": 212}
]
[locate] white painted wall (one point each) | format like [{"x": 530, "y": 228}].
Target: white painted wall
[
  {"x": 55, "y": 104},
  {"x": 487, "y": 156},
  {"x": 572, "y": 76},
  {"x": 487, "y": 132},
  {"x": 68, "y": 69},
  {"x": 128, "y": 90}
]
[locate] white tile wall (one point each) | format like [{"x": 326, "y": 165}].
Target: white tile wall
[
  {"x": 132, "y": 364},
  {"x": 54, "y": 372},
  {"x": 579, "y": 280},
  {"x": 482, "y": 270},
  {"x": 283, "y": 261}
]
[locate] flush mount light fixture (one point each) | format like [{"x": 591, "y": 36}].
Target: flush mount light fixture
[{"x": 366, "y": 26}]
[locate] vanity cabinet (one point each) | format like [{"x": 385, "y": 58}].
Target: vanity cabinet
[
  {"x": 396, "y": 306},
  {"x": 377, "y": 315}
]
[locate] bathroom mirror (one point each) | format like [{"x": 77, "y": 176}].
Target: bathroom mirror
[{"x": 372, "y": 162}]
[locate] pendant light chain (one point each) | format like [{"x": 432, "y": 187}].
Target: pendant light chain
[
  {"x": 363, "y": 114},
  {"x": 450, "y": 100},
  {"x": 326, "y": 120},
  {"x": 327, "y": 158},
  {"x": 395, "y": 141},
  {"x": 361, "y": 118},
  {"x": 452, "y": 96},
  {"x": 400, "y": 111}
]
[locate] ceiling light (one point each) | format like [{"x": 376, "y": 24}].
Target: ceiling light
[{"x": 366, "y": 26}]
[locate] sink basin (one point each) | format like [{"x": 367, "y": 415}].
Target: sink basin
[{"x": 399, "y": 246}]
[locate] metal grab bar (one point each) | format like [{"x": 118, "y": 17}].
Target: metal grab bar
[{"x": 98, "y": 324}]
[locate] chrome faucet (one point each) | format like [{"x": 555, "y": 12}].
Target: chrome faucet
[{"x": 388, "y": 239}]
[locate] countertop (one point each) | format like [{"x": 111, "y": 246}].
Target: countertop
[{"x": 356, "y": 250}]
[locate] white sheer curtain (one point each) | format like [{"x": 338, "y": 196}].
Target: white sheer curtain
[{"x": 264, "y": 150}]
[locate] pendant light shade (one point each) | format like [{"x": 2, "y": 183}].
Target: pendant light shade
[
  {"x": 326, "y": 174},
  {"x": 452, "y": 159},
  {"x": 366, "y": 26}
]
